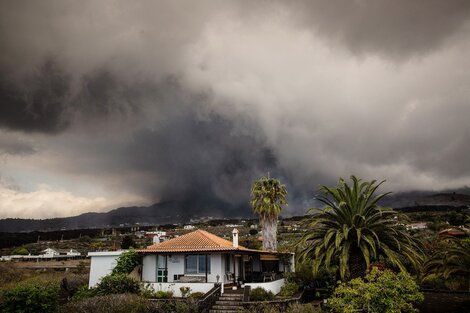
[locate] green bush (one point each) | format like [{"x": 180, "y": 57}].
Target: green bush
[
  {"x": 118, "y": 283},
  {"x": 147, "y": 291},
  {"x": 118, "y": 303},
  {"x": 185, "y": 291},
  {"x": 127, "y": 242},
  {"x": 31, "y": 297},
  {"x": 260, "y": 294},
  {"x": 127, "y": 262},
  {"x": 84, "y": 293},
  {"x": 433, "y": 281},
  {"x": 71, "y": 284},
  {"x": 291, "y": 308},
  {"x": 163, "y": 294},
  {"x": 197, "y": 295},
  {"x": 302, "y": 308},
  {"x": 289, "y": 290},
  {"x": 20, "y": 251},
  {"x": 379, "y": 292}
]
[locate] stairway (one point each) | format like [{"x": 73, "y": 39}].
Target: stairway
[{"x": 229, "y": 302}]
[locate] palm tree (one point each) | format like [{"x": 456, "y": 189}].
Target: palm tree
[
  {"x": 451, "y": 259},
  {"x": 351, "y": 231},
  {"x": 267, "y": 197}
]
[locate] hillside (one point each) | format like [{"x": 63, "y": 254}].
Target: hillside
[{"x": 158, "y": 213}]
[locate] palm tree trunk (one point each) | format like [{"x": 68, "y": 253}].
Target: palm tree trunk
[
  {"x": 269, "y": 227},
  {"x": 357, "y": 265}
]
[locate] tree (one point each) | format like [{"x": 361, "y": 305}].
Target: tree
[
  {"x": 379, "y": 292},
  {"x": 31, "y": 297},
  {"x": 450, "y": 260},
  {"x": 20, "y": 251},
  {"x": 127, "y": 242},
  {"x": 351, "y": 231},
  {"x": 268, "y": 196},
  {"x": 127, "y": 262}
]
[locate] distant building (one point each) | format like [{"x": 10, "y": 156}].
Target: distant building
[
  {"x": 50, "y": 252},
  {"x": 415, "y": 226},
  {"x": 452, "y": 232},
  {"x": 189, "y": 227},
  {"x": 155, "y": 233}
]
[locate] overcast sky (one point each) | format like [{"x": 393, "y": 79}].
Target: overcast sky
[{"x": 110, "y": 103}]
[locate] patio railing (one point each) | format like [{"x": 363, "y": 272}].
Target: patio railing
[{"x": 209, "y": 299}]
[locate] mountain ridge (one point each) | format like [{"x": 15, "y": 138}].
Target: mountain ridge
[{"x": 171, "y": 212}]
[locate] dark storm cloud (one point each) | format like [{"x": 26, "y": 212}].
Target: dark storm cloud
[
  {"x": 38, "y": 104},
  {"x": 397, "y": 29},
  {"x": 193, "y": 104}
]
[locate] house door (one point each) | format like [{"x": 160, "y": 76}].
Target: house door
[{"x": 162, "y": 269}]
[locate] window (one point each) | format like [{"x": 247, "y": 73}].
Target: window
[
  {"x": 196, "y": 264},
  {"x": 228, "y": 268}
]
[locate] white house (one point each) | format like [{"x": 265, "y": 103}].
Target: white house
[
  {"x": 102, "y": 264},
  {"x": 419, "y": 225},
  {"x": 199, "y": 260},
  {"x": 51, "y": 253}
]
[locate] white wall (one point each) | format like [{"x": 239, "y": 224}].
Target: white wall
[
  {"x": 273, "y": 286},
  {"x": 149, "y": 267},
  {"x": 176, "y": 267},
  {"x": 102, "y": 264},
  {"x": 175, "y": 287}
]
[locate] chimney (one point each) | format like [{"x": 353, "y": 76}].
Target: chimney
[{"x": 235, "y": 237}]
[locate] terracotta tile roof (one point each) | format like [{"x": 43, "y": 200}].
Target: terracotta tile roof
[
  {"x": 452, "y": 232},
  {"x": 199, "y": 240}
]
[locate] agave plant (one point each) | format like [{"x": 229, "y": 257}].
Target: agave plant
[
  {"x": 268, "y": 196},
  {"x": 351, "y": 231}
]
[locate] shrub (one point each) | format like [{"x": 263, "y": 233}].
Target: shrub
[
  {"x": 119, "y": 303},
  {"x": 263, "y": 308},
  {"x": 379, "y": 292},
  {"x": 127, "y": 242},
  {"x": 20, "y": 251},
  {"x": 72, "y": 283},
  {"x": 118, "y": 283},
  {"x": 433, "y": 281},
  {"x": 185, "y": 291},
  {"x": 291, "y": 308},
  {"x": 81, "y": 268},
  {"x": 173, "y": 307},
  {"x": 305, "y": 277},
  {"x": 289, "y": 289},
  {"x": 84, "y": 293},
  {"x": 260, "y": 294},
  {"x": 127, "y": 262},
  {"x": 163, "y": 294},
  {"x": 197, "y": 295},
  {"x": 85, "y": 238},
  {"x": 31, "y": 297},
  {"x": 302, "y": 308},
  {"x": 147, "y": 291}
]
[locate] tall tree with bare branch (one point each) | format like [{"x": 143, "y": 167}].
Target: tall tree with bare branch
[{"x": 268, "y": 196}]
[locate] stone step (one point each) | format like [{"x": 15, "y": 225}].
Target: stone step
[
  {"x": 231, "y": 299},
  {"x": 232, "y": 295},
  {"x": 226, "y": 307},
  {"x": 223, "y": 302}
]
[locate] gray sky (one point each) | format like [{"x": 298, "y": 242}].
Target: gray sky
[{"x": 115, "y": 103}]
